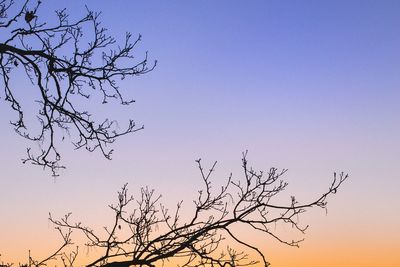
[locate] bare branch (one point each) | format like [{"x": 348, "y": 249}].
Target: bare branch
[
  {"x": 145, "y": 233},
  {"x": 28, "y": 43}
]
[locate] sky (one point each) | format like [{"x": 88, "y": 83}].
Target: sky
[{"x": 311, "y": 86}]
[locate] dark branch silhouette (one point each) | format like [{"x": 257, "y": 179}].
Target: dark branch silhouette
[
  {"x": 64, "y": 61},
  {"x": 72, "y": 59},
  {"x": 145, "y": 233}
]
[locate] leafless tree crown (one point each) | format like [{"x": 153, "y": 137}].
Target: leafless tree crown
[
  {"x": 145, "y": 233},
  {"x": 63, "y": 61}
]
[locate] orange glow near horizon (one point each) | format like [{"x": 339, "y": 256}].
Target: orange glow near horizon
[
  {"x": 332, "y": 247},
  {"x": 347, "y": 254}
]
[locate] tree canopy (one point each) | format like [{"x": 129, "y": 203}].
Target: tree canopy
[
  {"x": 75, "y": 58},
  {"x": 144, "y": 232},
  {"x": 64, "y": 61}
]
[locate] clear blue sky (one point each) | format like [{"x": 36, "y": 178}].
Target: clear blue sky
[{"x": 312, "y": 86}]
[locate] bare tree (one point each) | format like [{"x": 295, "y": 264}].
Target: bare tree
[
  {"x": 64, "y": 61},
  {"x": 145, "y": 233},
  {"x": 63, "y": 64}
]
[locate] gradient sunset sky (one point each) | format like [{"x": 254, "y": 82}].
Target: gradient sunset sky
[{"x": 311, "y": 86}]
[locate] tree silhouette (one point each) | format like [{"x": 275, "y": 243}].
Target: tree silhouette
[
  {"x": 65, "y": 62},
  {"x": 145, "y": 233}
]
